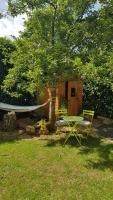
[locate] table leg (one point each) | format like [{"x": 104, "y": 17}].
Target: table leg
[{"x": 73, "y": 132}]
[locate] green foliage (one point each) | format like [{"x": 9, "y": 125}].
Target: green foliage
[
  {"x": 98, "y": 97},
  {"x": 68, "y": 39},
  {"x": 98, "y": 89},
  {"x": 0, "y": 15},
  {"x": 44, "y": 52},
  {"x": 43, "y": 127},
  {"x": 6, "y": 48}
]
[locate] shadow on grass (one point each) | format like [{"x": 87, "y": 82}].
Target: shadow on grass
[
  {"x": 104, "y": 150},
  {"x": 101, "y": 152},
  {"x": 93, "y": 145},
  {"x": 101, "y": 165},
  {"x": 60, "y": 142},
  {"x": 13, "y": 138},
  {"x": 90, "y": 142}
]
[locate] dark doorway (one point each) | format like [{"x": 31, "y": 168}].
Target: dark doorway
[
  {"x": 63, "y": 101},
  {"x": 66, "y": 90}
]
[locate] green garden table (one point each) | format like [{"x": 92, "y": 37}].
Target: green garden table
[
  {"x": 73, "y": 119},
  {"x": 72, "y": 124}
]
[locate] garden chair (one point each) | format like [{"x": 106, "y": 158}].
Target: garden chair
[
  {"x": 60, "y": 113},
  {"x": 60, "y": 123},
  {"x": 73, "y": 131},
  {"x": 88, "y": 116}
]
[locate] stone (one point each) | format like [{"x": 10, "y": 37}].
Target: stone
[
  {"x": 105, "y": 120},
  {"x": 30, "y": 130},
  {"x": 22, "y": 123},
  {"x": 21, "y": 132},
  {"x": 10, "y": 121},
  {"x": 108, "y": 121}
]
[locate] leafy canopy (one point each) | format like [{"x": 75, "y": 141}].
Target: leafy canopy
[
  {"x": 62, "y": 39},
  {"x": 46, "y": 49}
]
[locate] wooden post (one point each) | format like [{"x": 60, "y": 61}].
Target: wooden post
[{"x": 52, "y": 116}]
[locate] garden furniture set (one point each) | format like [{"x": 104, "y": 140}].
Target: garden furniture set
[{"x": 75, "y": 125}]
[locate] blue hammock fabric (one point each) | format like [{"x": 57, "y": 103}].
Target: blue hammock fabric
[{"x": 14, "y": 108}]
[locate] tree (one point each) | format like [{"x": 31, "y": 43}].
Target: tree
[
  {"x": 7, "y": 47},
  {"x": 96, "y": 52},
  {"x": 60, "y": 41},
  {"x": 0, "y": 15},
  {"x": 46, "y": 50}
]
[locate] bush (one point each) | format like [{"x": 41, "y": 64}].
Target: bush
[{"x": 98, "y": 97}]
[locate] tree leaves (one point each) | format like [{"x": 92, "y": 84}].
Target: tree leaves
[{"x": 64, "y": 39}]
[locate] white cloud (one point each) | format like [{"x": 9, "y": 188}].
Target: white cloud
[
  {"x": 10, "y": 26},
  {"x": 3, "y": 5}
]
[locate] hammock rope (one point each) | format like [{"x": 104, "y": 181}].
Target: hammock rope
[{"x": 8, "y": 107}]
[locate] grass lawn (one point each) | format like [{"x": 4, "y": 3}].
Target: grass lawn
[{"x": 35, "y": 169}]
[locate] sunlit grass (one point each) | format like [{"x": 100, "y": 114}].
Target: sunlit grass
[{"x": 44, "y": 170}]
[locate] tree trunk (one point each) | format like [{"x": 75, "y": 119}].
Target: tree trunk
[
  {"x": 10, "y": 122},
  {"x": 52, "y": 116}
]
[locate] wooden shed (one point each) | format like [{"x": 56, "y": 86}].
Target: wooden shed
[{"x": 70, "y": 94}]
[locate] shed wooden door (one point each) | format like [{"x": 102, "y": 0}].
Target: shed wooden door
[{"x": 75, "y": 93}]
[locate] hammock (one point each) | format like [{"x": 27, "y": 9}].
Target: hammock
[{"x": 8, "y": 107}]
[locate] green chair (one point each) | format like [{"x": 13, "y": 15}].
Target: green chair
[
  {"x": 60, "y": 123},
  {"x": 72, "y": 129},
  {"x": 60, "y": 113},
  {"x": 88, "y": 116}
]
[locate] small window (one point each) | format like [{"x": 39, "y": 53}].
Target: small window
[{"x": 73, "y": 92}]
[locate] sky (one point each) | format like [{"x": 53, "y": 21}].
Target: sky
[{"x": 12, "y": 26}]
